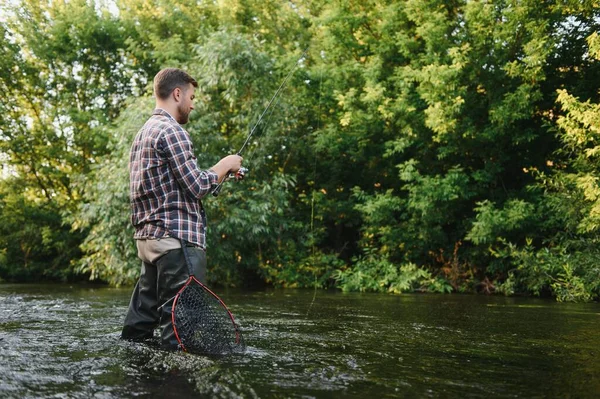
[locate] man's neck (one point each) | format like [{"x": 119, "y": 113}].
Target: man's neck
[{"x": 171, "y": 110}]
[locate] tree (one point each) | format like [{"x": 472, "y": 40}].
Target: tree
[
  {"x": 64, "y": 76},
  {"x": 566, "y": 260}
]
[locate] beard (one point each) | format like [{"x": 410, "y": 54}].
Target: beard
[{"x": 184, "y": 115}]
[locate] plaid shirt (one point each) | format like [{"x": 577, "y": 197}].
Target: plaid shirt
[{"x": 165, "y": 183}]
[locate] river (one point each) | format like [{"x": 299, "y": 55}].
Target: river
[{"x": 62, "y": 341}]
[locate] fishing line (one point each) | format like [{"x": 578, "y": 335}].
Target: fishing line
[
  {"x": 252, "y": 151},
  {"x": 312, "y": 201},
  {"x": 240, "y": 174}
]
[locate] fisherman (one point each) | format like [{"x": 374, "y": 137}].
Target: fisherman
[{"x": 166, "y": 188}]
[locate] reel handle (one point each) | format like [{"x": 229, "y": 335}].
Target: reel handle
[{"x": 239, "y": 175}]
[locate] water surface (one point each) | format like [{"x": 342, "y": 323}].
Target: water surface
[{"x": 61, "y": 341}]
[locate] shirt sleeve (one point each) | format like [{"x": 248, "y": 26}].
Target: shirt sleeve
[{"x": 179, "y": 152}]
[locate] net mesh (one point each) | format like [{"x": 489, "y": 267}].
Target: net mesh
[{"x": 203, "y": 323}]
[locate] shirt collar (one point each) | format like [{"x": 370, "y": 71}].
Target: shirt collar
[{"x": 160, "y": 111}]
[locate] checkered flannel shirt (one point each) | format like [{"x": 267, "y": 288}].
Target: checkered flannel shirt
[{"x": 166, "y": 184}]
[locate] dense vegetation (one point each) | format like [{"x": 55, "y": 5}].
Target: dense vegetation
[{"x": 420, "y": 144}]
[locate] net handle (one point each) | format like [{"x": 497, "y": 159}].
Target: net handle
[
  {"x": 192, "y": 277},
  {"x": 187, "y": 257}
]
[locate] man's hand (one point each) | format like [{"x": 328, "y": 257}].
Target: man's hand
[
  {"x": 234, "y": 162},
  {"x": 229, "y": 164}
]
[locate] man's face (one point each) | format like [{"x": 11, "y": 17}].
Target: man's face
[{"x": 186, "y": 104}]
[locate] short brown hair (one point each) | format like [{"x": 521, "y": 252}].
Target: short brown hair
[{"x": 169, "y": 79}]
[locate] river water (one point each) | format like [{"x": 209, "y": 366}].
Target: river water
[{"x": 62, "y": 341}]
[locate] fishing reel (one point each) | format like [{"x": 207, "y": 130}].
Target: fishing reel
[{"x": 239, "y": 175}]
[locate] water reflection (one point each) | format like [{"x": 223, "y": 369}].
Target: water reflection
[{"x": 62, "y": 341}]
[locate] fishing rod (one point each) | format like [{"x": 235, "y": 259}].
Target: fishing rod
[{"x": 239, "y": 175}]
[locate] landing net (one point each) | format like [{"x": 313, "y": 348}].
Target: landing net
[{"x": 202, "y": 322}]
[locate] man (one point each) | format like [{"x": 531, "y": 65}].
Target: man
[{"x": 166, "y": 187}]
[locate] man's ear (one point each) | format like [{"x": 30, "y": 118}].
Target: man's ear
[{"x": 176, "y": 94}]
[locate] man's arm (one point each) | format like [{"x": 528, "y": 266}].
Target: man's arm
[
  {"x": 178, "y": 150},
  {"x": 229, "y": 164}
]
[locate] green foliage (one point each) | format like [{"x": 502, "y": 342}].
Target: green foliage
[
  {"x": 506, "y": 287},
  {"x": 380, "y": 213},
  {"x": 419, "y": 145},
  {"x": 569, "y": 287},
  {"x": 35, "y": 244},
  {"x": 374, "y": 273},
  {"x": 492, "y": 224},
  {"x": 569, "y": 271},
  {"x": 64, "y": 76},
  {"x": 109, "y": 250},
  {"x": 566, "y": 264}
]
